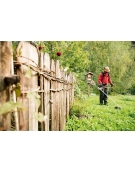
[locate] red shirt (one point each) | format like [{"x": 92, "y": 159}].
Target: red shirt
[{"x": 104, "y": 78}]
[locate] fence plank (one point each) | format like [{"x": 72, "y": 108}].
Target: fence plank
[
  {"x": 47, "y": 92},
  {"x": 28, "y": 84},
  {"x": 14, "y": 99},
  {"x": 70, "y": 91},
  {"x": 53, "y": 99},
  {"x": 65, "y": 96},
  {"x": 58, "y": 95},
  {"x": 68, "y": 94},
  {"x": 5, "y": 69},
  {"x": 73, "y": 89},
  {"x": 62, "y": 114},
  {"x": 42, "y": 88}
]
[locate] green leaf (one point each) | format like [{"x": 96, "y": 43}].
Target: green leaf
[
  {"x": 39, "y": 116},
  {"x": 10, "y": 106},
  {"x": 28, "y": 73},
  {"x": 32, "y": 94},
  {"x": 18, "y": 90},
  {"x": 35, "y": 97},
  {"x": 6, "y": 107},
  {"x": 19, "y": 53},
  {"x": 18, "y": 105},
  {"x": 37, "y": 101}
]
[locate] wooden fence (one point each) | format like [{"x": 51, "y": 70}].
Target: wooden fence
[{"x": 38, "y": 74}]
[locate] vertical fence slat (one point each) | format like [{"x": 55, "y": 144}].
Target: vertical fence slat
[
  {"x": 68, "y": 94},
  {"x": 14, "y": 99},
  {"x": 42, "y": 93},
  {"x": 60, "y": 99},
  {"x": 5, "y": 70},
  {"x": 62, "y": 114},
  {"x": 70, "y": 91},
  {"x": 73, "y": 90},
  {"x": 47, "y": 92},
  {"x": 57, "y": 95},
  {"x": 65, "y": 95},
  {"x": 28, "y": 120},
  {"x": 53, "y": 99}
]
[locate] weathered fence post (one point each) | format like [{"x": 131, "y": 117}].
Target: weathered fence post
[
  {"x": 54, "y": 120},
  {"x": 70, "y": 90},
  {"x": 59, "y": 93},
  {"x": 29, "y": 56},
  {"x": 88, "y": 89},
  {"x": 65, "y": 97},
  {"x": 5, "y": 69},
  {"x": 63, "y": 104},
  {"x": 57, "y": 71},
  {"x": 73, "y": 90},
  {"x": 42, "y": 90},
  {"x": 67, "y": 94},
  {"x": 46, "y": 67},
  {"x": 14, "y": 99}
]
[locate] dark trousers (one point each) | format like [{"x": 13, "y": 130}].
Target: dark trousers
[{"x": 103, "y": 97}]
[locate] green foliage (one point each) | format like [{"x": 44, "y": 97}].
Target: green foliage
[
  {"x": 17, "y": 90},
  {"x": 133, "y": 89},
  {"x": 38, "y": 116},
  {"x": 73, "y": 55},
  {"x": 128, "y": 98},
  {"x": 28, "y": 72},
  {"x": 80, "y": 57},
  {"x": 8, "y": 107},
  {"x": 35, "y": 97},
  {"x": 132, "y": 114},
  {"x": 118, "y": 56},
  {"x": 78, "y": 93},
  {"x": 14, "y": 48},
  {"x": 87, "y": 115}
]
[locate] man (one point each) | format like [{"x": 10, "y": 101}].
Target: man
[{"x": 103, "y": 80}]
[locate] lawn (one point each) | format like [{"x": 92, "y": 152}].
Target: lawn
[{"x": 87, "y": 115}]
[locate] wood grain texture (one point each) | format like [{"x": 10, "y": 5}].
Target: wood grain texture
[
  {"x": 53, "y": 99},
  {"x": 5, "y": 70},
  {"x": 46, "y": 64},
  {"x": 28, "y": 84}
]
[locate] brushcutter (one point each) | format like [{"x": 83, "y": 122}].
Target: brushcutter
[{"x": 101, "y": 89}]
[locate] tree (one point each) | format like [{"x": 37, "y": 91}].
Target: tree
[{"x": 80, "y": 57}]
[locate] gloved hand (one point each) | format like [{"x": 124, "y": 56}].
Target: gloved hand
[
  {"x": 112, "y": 85},
  {"x": 100, "y": 85}
]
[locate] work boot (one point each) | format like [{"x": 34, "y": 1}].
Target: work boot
[{"x": 105, "y": 103}]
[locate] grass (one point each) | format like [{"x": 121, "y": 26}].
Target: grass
[{"x": 88, "y": 115}]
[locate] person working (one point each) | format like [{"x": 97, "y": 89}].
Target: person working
[{"x": 103, "y": 80}]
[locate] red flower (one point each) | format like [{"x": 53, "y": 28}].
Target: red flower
[
  {"x": 59, "y": 53},
  {"x": 40, "y": 47}
]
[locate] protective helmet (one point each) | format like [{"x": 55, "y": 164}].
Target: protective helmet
[{"x": 106, "y": 69}]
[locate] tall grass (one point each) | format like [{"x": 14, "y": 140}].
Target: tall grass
[{"x": 88, "y": 115}]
